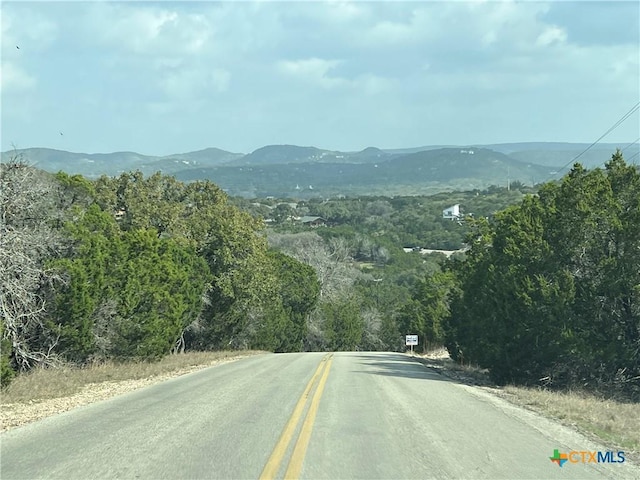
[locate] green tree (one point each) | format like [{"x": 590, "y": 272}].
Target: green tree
[
  {"x": 298, "y": 289},
  {"x": 549, "y": 290},
  {"x": 154, "y": 287},
  {"x": 343, "y": 326}
]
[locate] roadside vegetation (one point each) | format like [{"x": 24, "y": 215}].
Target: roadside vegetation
[
  {"x": 543, "y": 292},
  {"x": 48, "y": 383},
  {"x": 610, "y": 422}
]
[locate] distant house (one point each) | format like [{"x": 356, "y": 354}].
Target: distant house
[
  {"x": 312, "y": 221},
  {"x": 452, "y": 213},
  {"x": 120, "y": 214}
]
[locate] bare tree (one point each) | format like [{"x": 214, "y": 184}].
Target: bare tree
[
  {"x": 332, "y": 262},
  {"x": 26, "y": 242}
]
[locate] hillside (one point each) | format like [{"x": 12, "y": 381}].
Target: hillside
[
  {"x": 291, "y": 170},
  {"x": 92, "y": 165},
  {"x": 423, "y": 172}
]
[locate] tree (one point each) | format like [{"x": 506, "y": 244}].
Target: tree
[
  {"x": 426, "y": 312},
  {"x": 549, "y": 293},
  {"x": 128, "y": 294},
  {"x": 27, "y": 241},
  {"x": 298, "y": 289},
  {"x": 242, "y": 281},
  {"x": 343, "y": 325}
]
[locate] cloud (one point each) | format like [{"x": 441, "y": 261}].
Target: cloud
[
  {"x": 317, "y": 72},
  {"x": 150, "y": 29},
  {"x": 268, "y": 70},
  {"x": 15, "y": 79},
  {"x": 313, "y": 71},
  {"x": 551, "y": 35},
  {"x": 26, "y": 27},
  {"x": 597, "y": 22}
]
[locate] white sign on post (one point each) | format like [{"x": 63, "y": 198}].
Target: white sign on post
[{"x": 412, "y": 340}]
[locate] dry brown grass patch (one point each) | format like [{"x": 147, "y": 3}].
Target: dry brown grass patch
[
  {"x": 43, "y": 384},
  {"x": 615, "y": 423}
]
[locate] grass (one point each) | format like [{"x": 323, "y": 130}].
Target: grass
[
  {"x": 613, "y": 423},
  {"x": 43, "y": 384}
]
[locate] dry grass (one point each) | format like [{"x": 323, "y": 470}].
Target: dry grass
[
  {"x": 44, "y": 384},
  {"x": 615, "y": 424}
]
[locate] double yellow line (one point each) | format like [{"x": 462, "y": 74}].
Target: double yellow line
[{"x": 294, "y": 468}]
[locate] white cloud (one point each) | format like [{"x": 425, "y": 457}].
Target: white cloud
[
  {"x": 27, "y": 28},
  {"x": 15, "y": 79},
  {"x": 149, "y": 29},
  {"x": 345, "y": 11},
  {"x": 263, "y": 64},
  {"x": 373, "y": 84},
  {"x": 551, "y": 35},
  {"x": 314, "y": 71}
]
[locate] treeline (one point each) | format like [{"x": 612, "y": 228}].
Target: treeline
[
  {"x": 135, "y": 267},
  {"x": 549, "y": 293},
  {"x": 404, "y": 221},
  {"x": 140, "y": 267}
]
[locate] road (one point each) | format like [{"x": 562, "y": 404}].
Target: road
[{"x": 307, "y": 415}]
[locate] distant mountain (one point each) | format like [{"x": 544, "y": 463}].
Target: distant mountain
[
  {"x": 92, "y": 165},
  {"x": 302, "y": 172},
  {"x": 206, "y": 156},
  {"x": 370, "y": 155},
  {"x": 434, "y": 170},
  {"x": 445, "y": 163},
  {"x": 282, "y": 154},
  {"x": 293, "y": 154},
  {"x": 560, "y": 154}
]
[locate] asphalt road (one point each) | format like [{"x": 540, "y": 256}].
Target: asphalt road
[{"x": 308, "y": 415}]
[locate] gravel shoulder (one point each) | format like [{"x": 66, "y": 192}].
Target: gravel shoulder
[{"x": 16, "y": 414}]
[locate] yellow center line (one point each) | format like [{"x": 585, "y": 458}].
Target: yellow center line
[
  {"x": 297, "y": 457},
  {"x": 273, "y": 464}
]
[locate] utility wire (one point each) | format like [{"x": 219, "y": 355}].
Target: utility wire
[
  {"x": 632, "y": 143},
  {"x": 635, "y": 154},
  {"x": 611, "y": 129}
]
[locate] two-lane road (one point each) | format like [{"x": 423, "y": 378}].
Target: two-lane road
[{"x": 308, "y": 415}]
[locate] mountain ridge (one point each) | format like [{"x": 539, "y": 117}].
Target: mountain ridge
[{"x": 279, "y": 169}]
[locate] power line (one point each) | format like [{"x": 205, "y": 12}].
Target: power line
[
  {"x": 632, "y": 143},
  {"x": 611, "y": 129},
  {"x": 633, "y": 156}
]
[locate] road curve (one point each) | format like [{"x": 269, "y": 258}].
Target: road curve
[{"x": 306, "y": 415}]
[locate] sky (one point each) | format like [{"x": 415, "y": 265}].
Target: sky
[{"x": 169, "y": 77}]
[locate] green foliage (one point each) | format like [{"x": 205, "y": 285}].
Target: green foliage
[
  {"x": 426, "y": 312},
  {"x": 549, "y": 291},
  {"x": 154, "y": 287},
  {"x": 298, "y": 289},
  {"x": 343, "y": 326}
]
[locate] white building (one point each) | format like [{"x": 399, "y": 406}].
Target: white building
[{"x": 452, "y": 213}]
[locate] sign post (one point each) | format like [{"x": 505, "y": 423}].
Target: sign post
[{"x": 411, "y": 340}]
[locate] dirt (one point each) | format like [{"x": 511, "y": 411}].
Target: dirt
[{"x": 16, "y": 414}]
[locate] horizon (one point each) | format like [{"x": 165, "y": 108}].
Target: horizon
[
  {"x": 165, "y": 77},
  {"x": 599, "y": 145}
]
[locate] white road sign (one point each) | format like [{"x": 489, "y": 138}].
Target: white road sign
[{"x": 412, "y": 340}]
